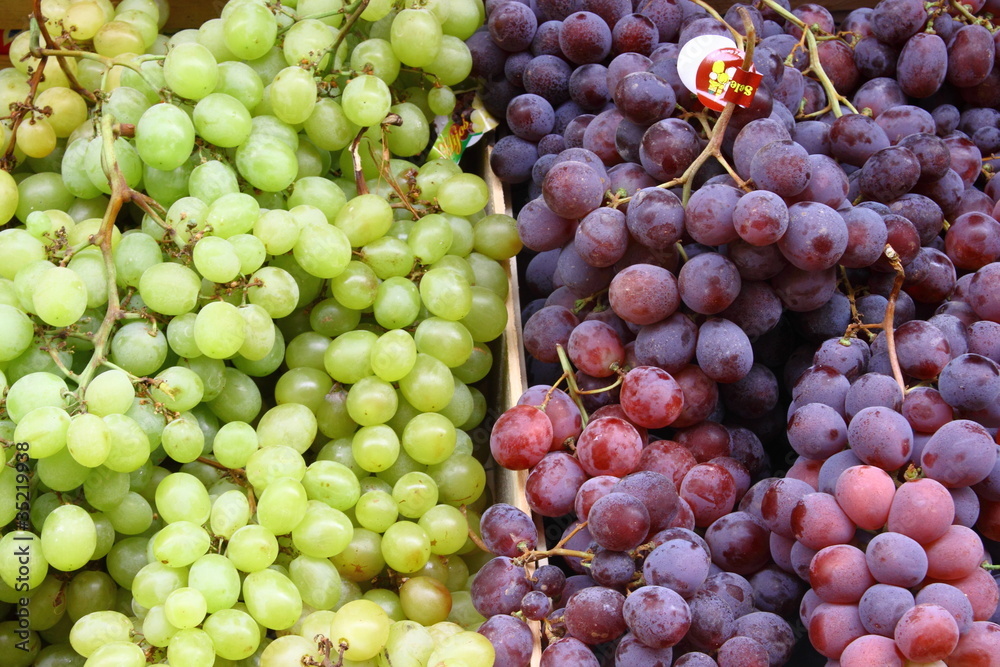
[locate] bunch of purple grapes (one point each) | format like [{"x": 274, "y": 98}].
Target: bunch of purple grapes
[{"x": 782, "y": 371}]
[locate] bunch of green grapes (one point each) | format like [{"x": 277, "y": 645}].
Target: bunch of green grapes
[{"x": 241, "y": 329}]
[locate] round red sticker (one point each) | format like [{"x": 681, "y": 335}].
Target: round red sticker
[{"x": 720, "y": 79}]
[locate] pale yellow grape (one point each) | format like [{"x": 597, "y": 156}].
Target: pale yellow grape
[
  {"x": 44, "y": 430},
  {"x": 364, "y": 626},
  {"x": 289, "y": 650},
  {"x": 275, "y": 290},
  {"x": 191, "y": 70},
  {"x": 409, "y": 644},
  {"x": 36, "y": 137},
  {"x": 249, "y": 30},
  {"x": 366, "y": 100},
  {"x": 88, "y": 439},
  {"x": 190, "y": 648},
  {"x": 230, "y": 512},
  {"x": 143, "y": 23},
  {"x": 272, "y": 599},
  {"x": 129, "y": 444},
  {"x": 97, "y": 628},
  {"x": 185, "y": 607},
  {"x": 69, "y": 538},
  {"x": 216, "y": 259},
  {"x": 8, "y": 197},
  {"x": 84, "y": 19},
  {"x": 118, "y": 37},
  {"x": 170, "y": 289},
  {"x": 235, "y": 635},
  {"x": 111, "y": 392},
  {"x": 252, "y": 548},
  {"x": 323, "y": 532},
  {"x": 293, "y": 95}
]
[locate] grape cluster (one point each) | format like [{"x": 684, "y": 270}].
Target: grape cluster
[
  {"x": 765, "y": 342},
  {"x": 241, "y": 334}
]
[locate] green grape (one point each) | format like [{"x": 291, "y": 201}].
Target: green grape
[
  {"x": 271, "y": 463},
  {"x": 213, "y": 179},
  {"x": 388, "y": 600},
  {"x": 405, "y": 547},
  {"x": 268, "y": 125},
  {"x": 135, "y": 253},
  {"x": 305, "y": 386},
  {"x": 47, "y": 604},
  {"x": 179, "y": 544},
  {"x": 216, "y": 259},
  {"x": 43, "y": 430},
  {"x": 282, "y": 506},
  {"x": 211, "y": 35},
  {"x": 232, "y": 214},
  {"x": 275, "y": 290},
  {"x": 415, "y": 37},
  {"x": 464, "y": 18},
  {"x": 446, "y": 294},
  {"x": 322, "y": 250},
  {"x": 235, "y": 634},
  {"x": 293, "y": 94},
  {"x": 328, "y": 127},
  {"x": 376, "y": 511},
  {"x": 40, "y": 192},
  {"x": 234, "y": 444},
  {"x": 488, "y": 317},
  {"x": 89, "y": 591},
  {"x": 414, "y": 494},
  {"x": 397, "y": 303},
  {"x": 185, "y": 607},
  {"x": 292, "y": 425},
  {"x": 393, "y": 356},
  {"x": 170, "y": 289},
  {"x": 88, "y": 265},
  {"x": 219, "y": 330},
  {"x": 430, "y": 238},
  {"x": 60, "y": 297},
  {"x": 496, "y": 237},
  {"x": 109, "y": 393},
  {"x": 388, "y": 257},
  {"x": 230, "y": 512},
  {"x": 328, "y": 11},
  {"x": 463, "y": 194},
  {"x": 375, "y": 448},
  {"x": 105, "y": 488},
  {"x": 289, "y": 650},
  {"x": 8, "y": 197},
  {"x": 75, "y": 177},
  {"x": 278, "y": 231},
  {"x": 16, "y": 332},
  {"x": 364, "y": 626},
  {"x": 412, "y": 136},
  {"x": 467, "y": 647},
  {"x": 306, "y": 351},
  {"x": 186, "y": 215},
  {"x": 164, "y": 137},
  {"x": 429, "y": 438},
  {"x": 356, "y": 286},
  {"x": 347, "y": 359},
  {"x": 182, "y": 439},
  {"x": 330, "y": 318},
  {"x": 239, "y": 400},
  {"x": 447, "y": 528},
  {"x": 429, "y": 386},
  {"x": 366, "y": 100},
  {"x": 179, "y": 388},
  {"x": 317, "y": 581},
  {"x": 191, "y": 70},
  {"x": 377, "y": 55},
  {"x": 460, "y": 480},
  {"x": 452, "y": 63},
  {"x": 190, "y": 648},
  {"x": 156, "y": 629},
  {"x": 362, "y": 559},
  {"x": 69, "y": 538},
  {"x": 181, "y": 497},
  {"x": 371, "y": 401},
  {"x": 376, "y": 10},
  {"x": 408, "y": 644},
  {"x": 463, "y": 612},
  {"x": 272, "y": 599},
  {"x": 441, "y": 100},
  {"x": 308, "y": 40},
  {"x": 425, "y": 600},
  {"x": 489, "y": 274},
  {"x": 126, "y": 558},
  {"x": 364, "y": 219},
  {"x": 323, "y": 532},
  {"x": 153, "y": 582},
  {"x": 332, "y": 483},
  {"x": 249, "y": 31},
  {"x": 35, "y": 390},
  {"x": 99, "y": 628},
  {"x": 459, "y": 409},
  {"x": 133, "y": 516},
  {"x": 60, "y": 472},
  {"x": 267, "y": 163},
  {"x": 239, "y": 80},
  {"x": 447, "y": 341},
  {"x": 270, "y": 362}
]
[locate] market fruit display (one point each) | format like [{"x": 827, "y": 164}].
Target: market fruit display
[
  {"x": 763, "y": 340},
  {"x": 244, "y": 323}
]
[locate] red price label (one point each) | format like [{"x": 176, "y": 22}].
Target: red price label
[{"x": 721, "y": 79}]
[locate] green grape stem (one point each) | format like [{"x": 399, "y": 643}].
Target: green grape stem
[
  {"x": 326, "y": 649},
  {"x": 61, "y": 59},
  {"x": 574, "y": 390},
  {"x": 352, "y": 18}
]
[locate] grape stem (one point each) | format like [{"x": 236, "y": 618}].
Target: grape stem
[
  {"x": 890, "y": 312},
  {"x": 574, "y": 390},
  {"x": 352, "y": 18},
  {"x": 359, "y": 174},
  {"x": 835, "y": 98},
  {"x": 478, "y": 541},
  {"x": 737, "y": 37},
  {"x": 61, "y": 59},
  {"x": 557, "y": 550},
  {"x": 326, "y": 649}
]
